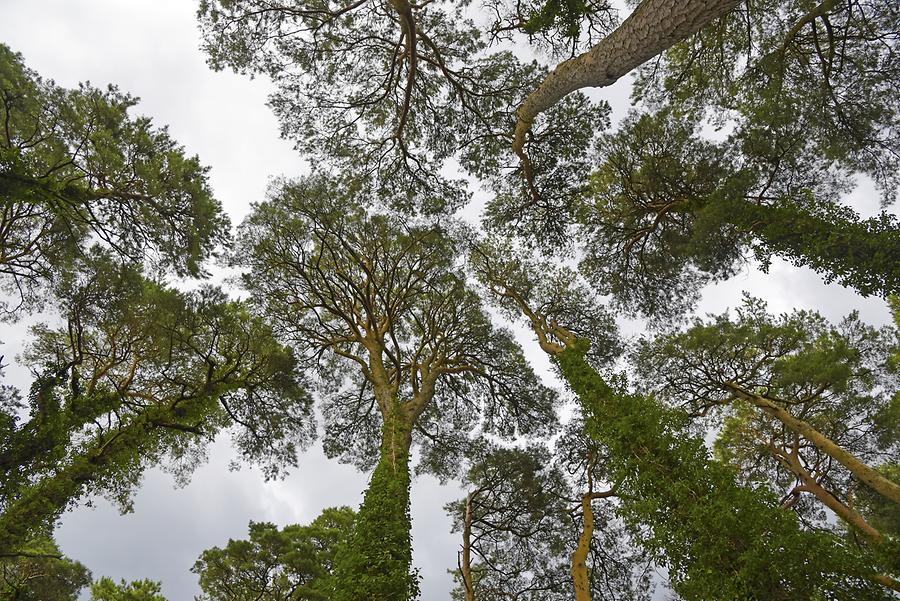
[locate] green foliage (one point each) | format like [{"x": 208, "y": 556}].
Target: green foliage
[
  {"x": 669, "y": 211},
  {"x": 343, "y": 286},
  {"x": 376, "y": 562},
  {"x": 557, "y": 295},
  {"x": 832, "y": 377},
  {"x": 518, "y": 527},
  {"x": 76, "y": 169},
  {"x": 141, "y": 375},
  {"x": 646, "y": 238},
  {"x": 106, "y": 589},
  {"x": 41, "y": 573},
  {"x": 818, "y": 79},
  {"x": 863, "y": 254},
  {"x": 523, "y": 516},
  {"x": 291, "y": 564},
  {"x": 719, "y": 540}
]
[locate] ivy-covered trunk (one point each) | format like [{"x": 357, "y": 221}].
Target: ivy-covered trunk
[
  {"x": 831, "y": 240},
  {"x": 376, "y": 563},
  {"x": 719, "y": 539}
]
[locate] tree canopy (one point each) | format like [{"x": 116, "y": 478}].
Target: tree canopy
[
  {"x": 76, "y": 169},
  {"x": 749, "y": 456}
]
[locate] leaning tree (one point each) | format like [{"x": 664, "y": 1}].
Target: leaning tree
[
  {"x": 804, "y": 399},
  {"x": 139, "y": 374},
  {"x": 717, "y": 538}
]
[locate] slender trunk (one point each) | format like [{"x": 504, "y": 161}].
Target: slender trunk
[
  {"x": 579, "y": 556},
  {"x": 465, "y": 566},
  {"x": 654, "y": 26},
  {"x": 863, "y": 472},
  {"x": 810, "y": 485},
  {"x": 377, "y": 560}
]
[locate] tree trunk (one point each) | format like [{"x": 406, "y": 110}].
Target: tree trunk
[
  {"x": 810, "y": 485},
  {"x": 654, "y": 26},
  {"x": 465, "y": 564},
  {"x": 43, "y": 502},
  {"x": 377, "y": 559},
  {"x": 579, "y": 556},
  {"x": 863, "y": 472}
]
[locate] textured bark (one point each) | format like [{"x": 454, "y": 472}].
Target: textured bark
[
  {"x": 863, "y": 472},
  {"x": 654, "y": 26}
]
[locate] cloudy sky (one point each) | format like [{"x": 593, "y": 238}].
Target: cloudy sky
[{"x": 150, "y": 49}]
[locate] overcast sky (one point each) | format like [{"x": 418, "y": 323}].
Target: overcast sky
[{"x": 150, "y": 49}]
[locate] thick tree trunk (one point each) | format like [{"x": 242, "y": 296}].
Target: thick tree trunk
[
  {"x": 861, "y": 254},
  {"x": 376, "y": 562},
  {"x": 863, "y": 472},
  {"x": 654, "y": 26}
]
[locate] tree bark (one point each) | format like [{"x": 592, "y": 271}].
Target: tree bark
[
  {"x": 579, "y": 556},
  {"x": 580, "y": 577},
  {"x": 863, "y": 472},
  {"x": 654, "y": 26}
]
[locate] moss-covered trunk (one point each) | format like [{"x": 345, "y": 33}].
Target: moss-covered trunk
[{"x": 376, "y": 563}]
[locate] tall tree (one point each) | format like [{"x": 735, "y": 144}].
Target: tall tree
[
  {"x": 141, "y": 374},
  {"x": 513, "y": 527},
  {"x": 718, "y": 539},
  {"x": 41, "y": 573},
  {"x": 378, "y": 307},
  {"x": 532, "y": 527},
  {"x": 824, "y": 385},
  {"x": 294, "y": 563},
  {"x": 77, "y": 169}
]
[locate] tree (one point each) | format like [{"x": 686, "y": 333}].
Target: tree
[
  {"x": 823, "y": 74},
  {"x": 141, "y": 374},
  {"x": 668, "y": 211},
  {"x": 377, "y": 307},
  {"x": 512, "y": 523},
  {"x": 76, "y": 169},
  {"x": 531, "y": 530},
  {"x": 717, "y": 538},
  {"x": 139, "y": 590},
  {"x": 654, "y": 26},
  {"x": 41, "y": 573},
  {"x": 291, "y": 564},
  {"x": 797, "y": 365},
  {"x": 810, "y": 97}
]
